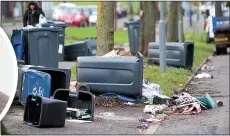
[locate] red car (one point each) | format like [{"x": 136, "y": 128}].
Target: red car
[{"x": 74, "y": 17}]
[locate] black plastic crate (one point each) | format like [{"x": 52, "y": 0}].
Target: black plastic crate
[
  {"x": 83, "y": 100},
  {"x": 44, "y": 112}
]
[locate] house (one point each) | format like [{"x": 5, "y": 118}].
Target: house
[{"x": 14, "y": 9}]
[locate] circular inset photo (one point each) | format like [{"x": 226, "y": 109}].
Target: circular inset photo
[{"x": 8, "y": 73}]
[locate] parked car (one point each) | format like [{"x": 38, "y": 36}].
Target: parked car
[
  {"x": 93, "y": 18},
  {"x": 59, "y": 10},
  {"x": 75, "y": 17}
]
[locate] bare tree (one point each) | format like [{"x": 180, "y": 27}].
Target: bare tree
[
  {"x": 218, "y": 10},
  {"x": 105, "y": 27},
  {"x": 172, "y": 26},
  {"x": 147, "y": 27}
]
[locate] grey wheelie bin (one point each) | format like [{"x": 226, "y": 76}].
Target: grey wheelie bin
[
  {"x": 133, "y": 33},
  {"x": 121, "y": 75},
  {"x": 177, "y": 54},
  {"x": 82, "y": 48},
  {"x": 42, "y": 46},
  {"x": 62, "y": 39}
]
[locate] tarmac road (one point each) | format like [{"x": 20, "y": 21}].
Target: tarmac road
[
  {"x": 3, "y": 101},
  {"x": 208, "y": 122}
]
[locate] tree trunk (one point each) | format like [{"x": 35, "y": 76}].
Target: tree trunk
[
  {"x": 147, "y": 26},
  {"x": 181, "y": 17},
  {"x": 172, "y": 26},
  {"x": 130, "y": 11},
  {"x": 228, "y": 4},
  {"x": 105, "y": 27},
  {"x": 218, "y": 10}
]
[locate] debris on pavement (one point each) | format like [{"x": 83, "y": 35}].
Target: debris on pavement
[
  {"x": 72, "y": 86},
  {"x": 207, "y": 101},
  {"x": 126, "y": 54},
  {"x": 205, "y": 67},
  {"x": 142, "y": 127},
  {"x": 129, "y": 103},
  {"x": 150, "y": 90},
  {"x": 219, "y": 103},
  {"x": 154, "y": 109},
  {"x": 113, "y": 53},
  {"x": 204, "y": 76},
  {"x": 78, "y": 121},
  {"x": 107, "y": 114}
]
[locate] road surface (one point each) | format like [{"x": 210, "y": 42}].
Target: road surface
[{"x": 208, "y": 122}]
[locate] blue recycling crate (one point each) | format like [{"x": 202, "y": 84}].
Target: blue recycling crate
[{"x": 36, "y": 83}]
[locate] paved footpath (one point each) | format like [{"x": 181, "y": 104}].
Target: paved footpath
[
  {"x": 210, "y": 122},
  {"x": 3, "y": 101}
]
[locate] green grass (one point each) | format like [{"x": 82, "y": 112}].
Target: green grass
[
  {"x": 174, "y": 78},
  {"x": 67, "y": 41},
  {"x": 120, "y": 36}
]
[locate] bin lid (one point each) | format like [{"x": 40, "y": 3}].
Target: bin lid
[
  {"x": 136, "y": 22},
  {"x": 54, "y": 23},
  {"x": 54, "y": 29}
]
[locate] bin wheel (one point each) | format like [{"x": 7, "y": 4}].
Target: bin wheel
[
  {"x": 150, "y": 62},
  {"x": 83, "y": 87},
  {"x": 220, "y": 51}
]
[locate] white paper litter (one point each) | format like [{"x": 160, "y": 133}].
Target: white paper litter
[
  {"x": 154, "y": 108},
  {"x": 204, "y": 76},
  {"x": 107, "y": 114},
  {"x": 113, "y": 53},
  {"x": 78, "y": 121}
]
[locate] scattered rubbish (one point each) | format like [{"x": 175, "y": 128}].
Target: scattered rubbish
[
  {"x": 107, "y": 114},
  {"x": 204, "y": 75},
  {"x": 162, "y": 100},
  {"x": 142, "y": 127},
  {"x": 72, "y": 87},
  {"x": 126, "y": 54},
  {"x": 152, "y": 86},
  {"x": 113, "y": 53},
  {"x": 78, "y": 121},
  {"x": 219, "y": 103},
  {"x": 189, "y": 109},
  {"x": 150, "y": 90},
  {"x": 154, "y": 109},
  {"x": 129, "y": 103},
  {"x": 121, "y": 97},
  {"x": 205, "y": 67},
  {"x": 207, "y": 100},
  {"x": 74, "y": 113}
]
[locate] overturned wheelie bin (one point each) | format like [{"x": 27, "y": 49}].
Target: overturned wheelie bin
[
  {"x": 221, "y": 29},
  {"x": 122, "y": 75},
  {"x": 177, "y": 54}
]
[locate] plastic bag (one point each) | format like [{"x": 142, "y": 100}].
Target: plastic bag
[{"x": 42, "y": 19}]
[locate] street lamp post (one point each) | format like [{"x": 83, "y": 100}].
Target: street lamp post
[{"x": 162, "y": 38}]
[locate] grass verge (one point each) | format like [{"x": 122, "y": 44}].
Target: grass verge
[
  {"x": 174, "y": 78},
  {"x": 120, "y": 36}
]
